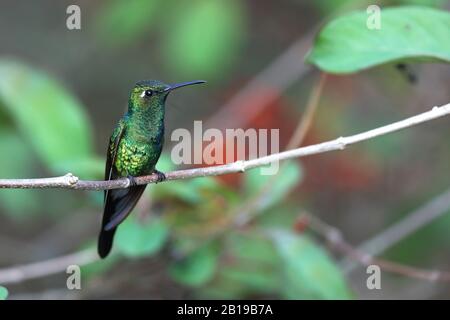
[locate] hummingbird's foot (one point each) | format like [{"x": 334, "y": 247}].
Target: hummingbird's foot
[
  {"x": 161, "y": 176},
  {"x": 132, "y": 181}
]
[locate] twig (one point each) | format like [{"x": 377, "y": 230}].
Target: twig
[
  {"x": 402, "y": 229},
  {"x": 335, "y": 238},
  {"x": 279, "y": 75},
  {"x": 70, "y": 181},
  {"x": 44, "y": 268},
  {"x": 35, "y": 270},
  {"x": 305, "y": 124},
  {"x": 244, "y": 213},
  {"x": 249, "y": 209}
]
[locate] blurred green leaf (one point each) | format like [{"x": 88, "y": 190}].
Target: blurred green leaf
[
  {"x": 251, "y": 246},
  {"x": 385, "y": 148},
  {"x": 100, "y": 266},
  {"x": 431, "y": 3},
  {"x": 19, "y": 165},
  {"x": 254, "y": 263},
  {"x": 223, "y": 288},
  {"x": 198, "y": 268},
  {"x": 202, "y": 216},
  {"x": 93, "y": 167},
  {"x": 253, "y": 278},
  {"x": 250, "y": 266},
  {"x": 191, "y": 191},
  {"x": 204, "y": 38},
  {"x": 136, "y": 239},
  {"x": 287, "y": 178},
  {"x": 121, "y": 23},
  {"x": 330, "y": 7},
  {"x": 284, "y": 215},
  {"x": 415, "y": 248},
  {"x": 346, "y": 45},
  {"x": 309, "y": 272},
  {"x": 46, "y": 114},
  {"x": 3, "y": 293},
  {"x": 165, "y": 163}
]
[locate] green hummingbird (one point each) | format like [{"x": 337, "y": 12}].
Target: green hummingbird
[{"x": 134, "y": 149}]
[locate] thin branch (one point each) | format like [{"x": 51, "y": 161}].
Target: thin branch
[
  {"x": 249, "y": 210},
  {"x": 424, "y": 215},
  {"x": 279, "y": 75},
  {"x": 307, "y": 118},
  {"x": 283, "y": 71},
  {"x": 24, "y": 272},
  {"x": 70, "y": 181},
  {"x": 244, "y": 213},
  {"x": 336, "y": 239},
  {"x": 35, "y": 270}
]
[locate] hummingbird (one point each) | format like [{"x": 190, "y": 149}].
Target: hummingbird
[{"x": 134, "y": 149}]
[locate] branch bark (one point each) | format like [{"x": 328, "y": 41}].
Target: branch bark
[
  {"x": 336, "y": 239},
  {"x": 24, "y": 272},
  {"x": 69, "y": 181},
  {"x": 414, "y": 221}
]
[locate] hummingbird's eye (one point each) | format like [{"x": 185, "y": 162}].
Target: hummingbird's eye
[{"x": 147, "y": 93}]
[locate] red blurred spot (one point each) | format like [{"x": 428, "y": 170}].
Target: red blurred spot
[
  {"x": 343, "y": 172},
  {"x": 301, "y": 224},
  {"x": 264, "y": 109}
]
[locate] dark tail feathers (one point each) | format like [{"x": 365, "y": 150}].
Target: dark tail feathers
[{"x": 118, "y": 205}]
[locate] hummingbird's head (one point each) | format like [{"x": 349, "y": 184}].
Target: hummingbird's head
[{"x": 148, "y": 93}]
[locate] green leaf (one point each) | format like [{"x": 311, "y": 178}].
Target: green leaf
[
  {"x": 251, "y": 268},
  {"x": 121, "y": 23},
  {"x": 192, "y": 191},
  {"x": 92, "y": 167},
  {"x": 308, "y": 271},
  {"x": 288, "y": 176},
  {"x": 3, "y": 293},
  {"x": 136, "y": 239},
  {"x": 196, "y": 269},
  {"x": 204, "y": 38},
  {"x": 346, "y": 45},
  {"x": 20, "y": 165},
  {"x": 165, "y": 163},
  {"x": 431, "y": 3},
  {"x": 284, "y": 216},
  {"x": 100, "y": 266},
  {"x": 222, "y": 289},
  {"x": 252, "y": 278},
  {"x": 51, "y": 119},
  {"x": 415, "y": 248},
  {"x": 330, "y": 7},
  {"x": 253, "y": 265},
  {"x": 251, "y": 246}
]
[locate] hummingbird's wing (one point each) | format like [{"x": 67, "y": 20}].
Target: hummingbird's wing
[
  {"x": 122, "y": 201},
  {"x": 118, "y": 203},
  {"x": 116, "y": 137}
]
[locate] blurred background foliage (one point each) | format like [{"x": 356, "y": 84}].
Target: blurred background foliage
[{"x": 62, "y": 91}]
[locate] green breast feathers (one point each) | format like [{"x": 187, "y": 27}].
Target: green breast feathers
[{"x": 132, "y": 159}]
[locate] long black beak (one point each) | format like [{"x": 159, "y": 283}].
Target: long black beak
[{"x": 183, "y": 84}]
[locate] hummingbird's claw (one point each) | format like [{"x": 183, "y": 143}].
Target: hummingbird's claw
[
  {"x": 132, "y": 181},
  {"x": 161, "y": 176}
]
